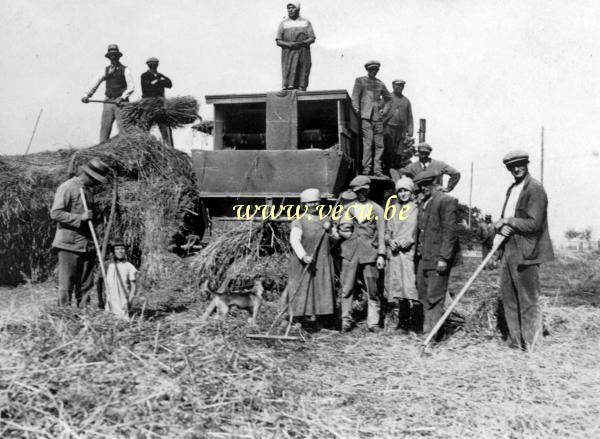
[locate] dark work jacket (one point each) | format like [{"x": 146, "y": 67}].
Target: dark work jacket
[
  {"x": 437, "y": 231},
  {"x": 116, "y": 83},
  {"x": 150, "y": 90},
  {"x": 530, "y": 244},
  {"x": 365, "y": 98},
  {"x": 368, "y": 238}
]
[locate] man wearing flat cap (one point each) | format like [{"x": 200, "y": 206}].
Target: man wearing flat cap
[
  {"x": 295, "y": 35},
  {"x": 367, "y": 93},
  {"x": 119, "y": 86},
  {"x": 398, "y": 127},
  {"x": 425, "y": 162},
  {"x": 363, "y": 252},
  {"x": 524, "y": 224},
  {"x": 438, "y": 247},
  {"x": 153, "y": 86},
  {"x": 73, "y": 239}
]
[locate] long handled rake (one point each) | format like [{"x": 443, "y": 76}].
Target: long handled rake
[
  {"x": 95, "y": 239},
  {"x": 462, "y": 292},
  {"x": 290, "y": 299}
]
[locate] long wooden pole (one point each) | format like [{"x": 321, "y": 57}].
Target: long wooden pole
[
  {"x": 34, "y": 130},
  {"x": 95, "y": 239},
  {"x": 542, "y": 164},
  {"x": 471, "y": 194},
  {"x": 462, "y": 292}
]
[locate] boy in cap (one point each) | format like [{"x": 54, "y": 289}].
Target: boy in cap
[
  {"x": 73, "y": 239},
  {"x": 437, "y": 247},
  {"x": 363, "y": 252},
  {"x": 295, "y": 35},
  {"x": 367, "y": 92},
  {"x": 398, "y": 128},
  {"x": 120, "y": 282},
  {"x": 524, "y": 224},
  {"x": 400, "y": 234},
  {"x": 425, "y": 162},
  {"x": 119, "y": 86},
  {"x": 153, "y": 86},
  {"x": 310, "y": 291}
]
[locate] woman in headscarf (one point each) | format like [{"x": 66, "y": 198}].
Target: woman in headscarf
[
  {"x": 310, "y": 290},
  {"x": 400, "y": 281}
]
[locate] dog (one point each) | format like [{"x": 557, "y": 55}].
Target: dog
[{"x": 250, "y": 300}]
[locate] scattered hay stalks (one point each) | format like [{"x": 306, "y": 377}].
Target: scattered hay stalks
[
  {"x": 243, "y": 253},
  {"x": 174, "y": 112},
  {"x": 156, "y": 191}
]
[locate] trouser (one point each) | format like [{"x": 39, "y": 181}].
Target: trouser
[
  {"x": 520, "y": 291},
  {"x": 372, "y": 134},
  {"x": 75, "y": 277},
  {"x": 393, "y": 137},
  {"x": 370, "y": 275},
  {"x": 110, "y": 113},
  {"x": 432, "y": 288},
  {"x": 166, "y": 134}
]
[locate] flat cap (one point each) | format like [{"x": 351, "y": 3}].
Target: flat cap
[
  {"x": 427, "y": 176},
  {"x": 398, "y": 82},
  {"x": 424, "y": 147},
  {"x": 348, "y": 195},
  {"x": 151, "y": 59},
  {"x": 516, "y": 156},
  {"x": 372, "y": 63},
  {"x": 360, "y": 182}
]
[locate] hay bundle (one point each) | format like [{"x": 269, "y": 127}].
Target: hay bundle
[
  {"x": 175, "y": 112},
  {"x": 156, "y": 190},
  {"x": 248, "y": 251}
]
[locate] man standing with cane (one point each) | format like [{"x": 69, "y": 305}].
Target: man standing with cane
[{"x": 73, "y": 238}]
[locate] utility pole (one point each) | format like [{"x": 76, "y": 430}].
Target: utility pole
[
  {"x": 542, "y": 164},
  {"x": 34, "y": 130},
  {"x": 470, "y": 194}
]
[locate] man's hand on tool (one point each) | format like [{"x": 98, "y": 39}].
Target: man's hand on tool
[
  {"x": 307, "y": 259},
  {"x": 85, "y": 99},
  {"x": 119, "y": 101},
  {"x": 442, "y": 267},
  {"x": 380, "y": 262},
  {"x": 87, "y": 215},
  {"x": 503, "y": 228}
]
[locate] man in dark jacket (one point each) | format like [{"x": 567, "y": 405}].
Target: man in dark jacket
[
  {"x": 524, "y": 224},
  {"x": 367, "y": 92},
  {"x": 73, "y": 239},
  {"x": 398, "y": 128},
  {"x": 437, "y": 247},
  {"x": 153, "y": 86},
  {"x": 119, "y": 86}
]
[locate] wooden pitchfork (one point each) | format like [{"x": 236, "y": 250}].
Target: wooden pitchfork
[{"x": 462, "y": 292}]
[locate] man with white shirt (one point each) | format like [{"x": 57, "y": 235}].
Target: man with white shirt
[
  {"x": 119, "y": 86},
  {"x": 524, "y": 224},
  {"x": 363, "y": 252},
  {"x": 426, "y": 162}
]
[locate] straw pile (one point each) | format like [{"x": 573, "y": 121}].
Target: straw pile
[
  {"x": 246, "y": 252},
  {"x": 174, "y": 112},
  {"x": 156, "y": 192}
]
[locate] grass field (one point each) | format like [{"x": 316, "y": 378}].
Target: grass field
[{"x": 69, "y": 374}]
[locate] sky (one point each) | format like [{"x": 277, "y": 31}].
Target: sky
[{"x": 487, "y": 75}]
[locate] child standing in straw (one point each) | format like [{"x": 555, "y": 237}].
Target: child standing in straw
[{"x": 120, "y": 282}]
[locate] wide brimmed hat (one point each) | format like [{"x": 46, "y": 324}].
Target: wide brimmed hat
[
  {"x": 425, "y": 177},
  {"x": 516, "y": 156},
  {"x": 97, "y": 170},
  {"x": 113, "y": 49},
  {"x": 424, "y": 147},
  {"x": 310, "y": 195},
  {"x": 360, "y": 182}
]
